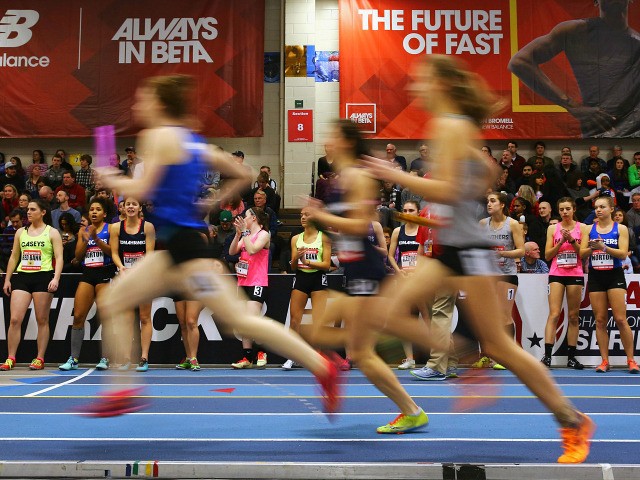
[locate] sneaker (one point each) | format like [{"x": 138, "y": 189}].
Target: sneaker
[
  {"x": 103, "y": 364},
  {"x": 497, "y": 366},
  {"x": 244, "y": 363},
  {"x": 452, "y": 372},
  {"x": 546, "y": 361},
  {"x": 429, "y": 374},
  {"x": 112, "y": 404},
  {"x": 125, "y": 366},
  {"x": 330, "y": 383},
  {"x": 195, "y": 366},
  {"x": 143, "y": 365},
  {"x": 288, "y": 365},
  {"x": 405, "y": 423},
  {"x": 575, "y": 364},
  {"x": 37, "y": 364},
  {"x": 184, "y": 364},
  {"x": 261, "y": 361},
  {"x": 576, "y": 441},
  {"x": 407, "y": 364},
  {"x": 633, "y": 366},
  {"x": 8, "y": 364},
  {"x": 603, "y": 367},
  {"x": 345, "y": 364},
  {"x": 484, "y": 362},
  {"x": 70, "y": 364},
  {"x": 476, "y": 389}
]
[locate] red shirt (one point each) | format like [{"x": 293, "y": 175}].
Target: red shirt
[{"x": 77, "y": 198}]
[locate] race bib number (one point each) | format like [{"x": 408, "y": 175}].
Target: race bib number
[
  {"x": 130, "y": 259},
  {"x": 567, "y": 260},
  {"x": 350, "y": 249},
  {"x": 408, "y": 260},
  {"x": 501, "y": 260},
  {"x": 242, "y": 268},
  {"x": 311, "y": 255},
  {"x": 31, "y": 260},
  {"x": 94, "y": 257},
  {"x": 601, "y": 261}
]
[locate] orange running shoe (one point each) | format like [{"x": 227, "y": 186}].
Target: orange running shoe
[
  {"x": 577, "y": 441},
  {"x": 603, "y": 367},
  {"x": 112, "y": 404},
  {"x": 8, "y": 364},
  {"x": 37, "y": 364},
  {"x": 633, "y": 366}
]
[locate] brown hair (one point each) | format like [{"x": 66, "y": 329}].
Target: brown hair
[
  {"x": 174, "y": 92},
  {"x": 467, "y": 89}
]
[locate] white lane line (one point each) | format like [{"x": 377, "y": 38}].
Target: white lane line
[
  {"x": 48, "y": 389},
  {"x": 390, "y": 438}
]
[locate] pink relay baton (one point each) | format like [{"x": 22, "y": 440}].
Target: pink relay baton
[{"x": 104, "y": 139}]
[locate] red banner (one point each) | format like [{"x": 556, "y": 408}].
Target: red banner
[
  {"x": 576, "y": 65},
  {"x": 66, "y": 67}
]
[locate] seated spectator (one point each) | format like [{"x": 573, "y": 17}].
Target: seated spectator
[
  {"x": 86, "y": 176},
  {"x": 77, "y": 196},
  {"x": 8, "y": 234},
  {"x": 263, "y": 184},
  {"x": 536, "y": 182},
  {"x": 9, "y": 202},
  {"x": 389, "y": 204},
  {"x": 421, "y": 163},
  {"x": 325, "y": 163},
  {"x": 407, "y": 195},
  {"x": 594, "y": 155},
  {"x": 11, "y": 176},
  {"x": 46, "y": 194},
  {"x": 235, "y": 205},
  {"x": 534, "y": 229},
  {"x": 580, "y": 195},
  {"x": 23, "y": 204},
  {"x": 540, "y": 148},
  {"x": 31, "y": 184},
  {"x": 504, "y": 183},
  {"x": 531, "y": 262},
  {"x": 593, "y": 171},
  {"x": 220, "y": 233},
  {"x": 487, "y": 152},
  {"x": 37, "y": 159},
  {"x": 325, "y": 185},
  {"x": 63, "y": 155},
  {"x": 527, "y": 172},
  {"x": 271, "y": 182},
  {"x": 53, "y": 175},
  {"x": 620, "y": 182},
  {"x": 567, "y": 165},
  {"x": 633, "y": 173},
  {"x": 553, "y": 189},
  {"x": 63, "y": 202}
]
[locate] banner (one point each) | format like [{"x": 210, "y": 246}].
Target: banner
[
  {"x": 575, "y": 64},
  {"x": 529, "y": 313},
  {"x": 66, "y": 67}
]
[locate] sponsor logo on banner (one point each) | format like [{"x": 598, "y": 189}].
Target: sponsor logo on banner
[
  {"x": 176, "y": 40},
  {"x": 363, "y": 115},
  {"x": 15, "y": 31}
]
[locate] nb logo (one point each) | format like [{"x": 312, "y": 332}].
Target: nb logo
[{"x": 15, "y": 27}]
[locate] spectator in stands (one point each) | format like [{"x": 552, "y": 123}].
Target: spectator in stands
[
  {"x": 531, "y": 262},
  {"x": 86, "y": 176},
  {"x": 46, "y": 194},
  {"x": 23, "y": 204},
  {"x": 37, "y": 158},
  {"x": 121, "y": 213},
  {"x": 260, "y": 201},
  {"x": 620, "y": 182},
  {"x": 487, "y": 152},
  {"x": 235, "y": 205},
  {"x": 77, "y": 198},
  {"x": 504, "y": 183},
  {"x": 603, "y": 186},
  {"x": 31, "y": 186},
  {"x": 566, "y": 166},
  {"x": 517, "y": 160},
  {"x": 9, "y": 201},
  {"x": 535, "y": 230},
  {"x": 593, "y": 171},
  {"x": 617, "y": 154},
  {"x": 390, "y": 198},
  {"x": 247, "y": 193},
  {"x": 271, "y": 182},
  {"x": 554, "y": 188},
  {"x": 8, "y": 234},
  {"x": 580, "y": 195},
  {"x": 65, "y": 161},
  {"x": 63, "y": 202},
  {"x": 325, "y": 163},
  {"x": 594, "y": 154},
  {"x": 11, "y": 175},
  {"x": 540, "y": 148},
  {"x": 251, "y": 240},
  {"x": 407, "y": 195},
  {"x": 527, "y": 171},
  {"x": 53, "y": 175},
  {"x": 19, "y": 169},
  {"x": 528, "y": 194},
  {"x": 325, "y": 185},
  {"x": 220, "y": 233},
  {"x": 37, "y": 264},
  {"x": 536, "y": 183},
  {"x": 392, "y": 156},
  {"x": 421, "y": 163},
  {"x": 263, "y": 184},
  {"x": 130, "y": 163},
  {"x": 634, "y": 171},
  {"x": 68, "y": 228}
]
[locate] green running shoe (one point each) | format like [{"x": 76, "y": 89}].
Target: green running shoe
[
  {"x": 194, "y": 366},
  {"x": 185, "y": 364},
  {"x": 405, "y": 423}
]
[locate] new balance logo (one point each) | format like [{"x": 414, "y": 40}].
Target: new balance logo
[{"x": 15, "y": 27}]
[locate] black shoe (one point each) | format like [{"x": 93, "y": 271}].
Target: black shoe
[
  {"x": 575, "y": 364},
  {"x": 546, "y": 361}
]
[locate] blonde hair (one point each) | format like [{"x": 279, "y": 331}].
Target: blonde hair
[{"x": 526, "y": 192}]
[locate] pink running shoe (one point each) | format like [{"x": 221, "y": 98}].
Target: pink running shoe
[
  {"x": 112, "y": 404},
  {"x": 330, "y": 383}
]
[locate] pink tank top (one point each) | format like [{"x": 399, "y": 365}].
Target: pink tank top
[
  {"x": 567, "y": 262},
  {"x": 253, "y": 270}
]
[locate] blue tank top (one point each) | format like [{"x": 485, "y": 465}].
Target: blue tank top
[
  {"x": 175, "y": 195},
  {"x": 600, "y": 260},
  {"x": 94, "y": 257}
]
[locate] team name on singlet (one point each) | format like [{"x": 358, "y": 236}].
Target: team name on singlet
[{"x": 33, "y": 243}]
